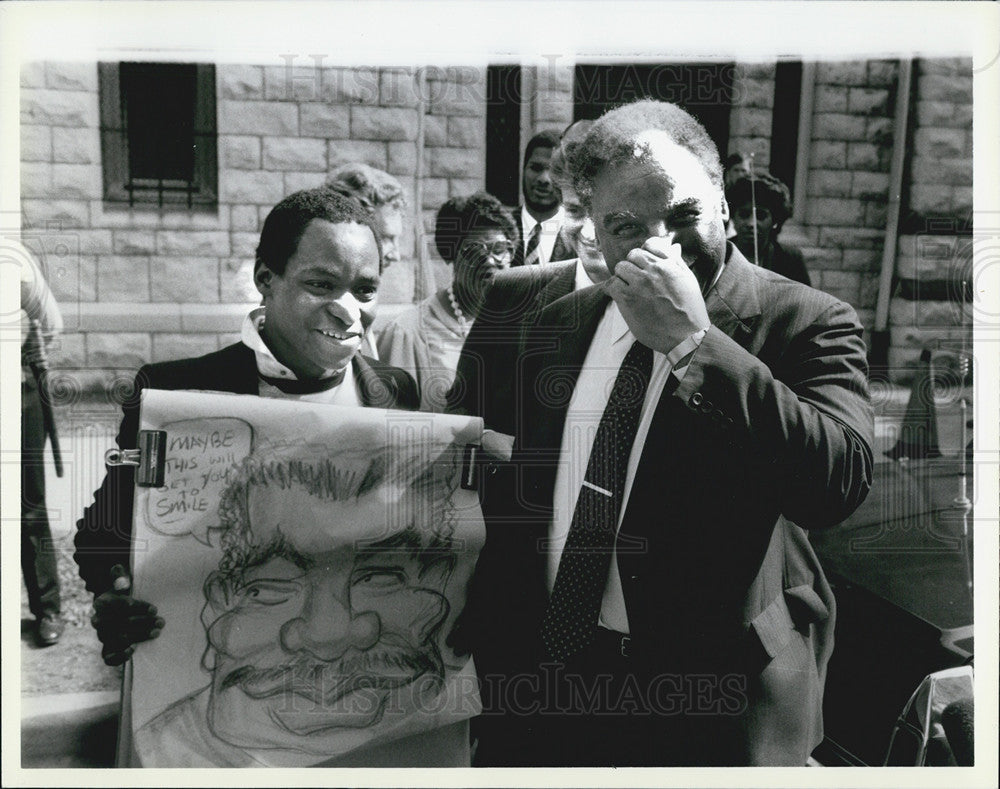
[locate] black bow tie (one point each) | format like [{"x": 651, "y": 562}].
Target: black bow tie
[{"x": 310, "y": 386}]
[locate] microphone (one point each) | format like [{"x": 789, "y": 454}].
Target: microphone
[{"x": 957, "y": 720}]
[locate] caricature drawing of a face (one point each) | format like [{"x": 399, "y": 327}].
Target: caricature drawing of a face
[{"x": 315, "y": 625}]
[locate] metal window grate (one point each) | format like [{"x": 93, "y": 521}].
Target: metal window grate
[{"x": 158, "y": 134}]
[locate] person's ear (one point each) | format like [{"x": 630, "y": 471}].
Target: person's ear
[
  {"x": 262, "y": 278},
  {"x": 725, "y": 210}
]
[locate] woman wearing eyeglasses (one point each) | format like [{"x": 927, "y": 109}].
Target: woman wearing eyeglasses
[{"x": 477, "y": 236}]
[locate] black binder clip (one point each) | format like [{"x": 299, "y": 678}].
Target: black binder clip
[{"x": 149, "y": 459}]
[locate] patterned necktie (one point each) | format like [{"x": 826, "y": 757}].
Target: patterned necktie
[
  {"x": 532, "y": 254},
  {"x": 571, "y": 618}
]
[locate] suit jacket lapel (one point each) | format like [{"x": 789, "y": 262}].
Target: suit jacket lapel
[
  {"x": 372, "y": 390},
  {"x": 562, "y": 250},
  {"x": 236, "y": 370},
  {"x": 557, "y": 287},
  {"x": 556, "y": 348},
  {"x": 733, "y": 303}
]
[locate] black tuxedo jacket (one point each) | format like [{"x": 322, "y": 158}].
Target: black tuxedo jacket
[
  {"x": 103, "y": 537},
  {"x": 562, "y": 250},
  {"x": 488, "y": 365},
  {"x": 769, "y": 432}
]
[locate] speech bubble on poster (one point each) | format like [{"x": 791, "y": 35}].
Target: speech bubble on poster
[{"x": 201, "y": 454}]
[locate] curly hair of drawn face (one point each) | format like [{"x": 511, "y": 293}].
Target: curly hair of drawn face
[{"x": 424, "y": 502}]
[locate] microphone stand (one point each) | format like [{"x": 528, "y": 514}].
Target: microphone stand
[{"x": 753, "y": 209}]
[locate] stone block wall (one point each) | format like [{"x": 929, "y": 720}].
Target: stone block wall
[
  {"x": 850, "y": 154},
  {"x": 549, "y": 102},
  {"x": 751, "y": 113},
  {"x": 148, "y": 284},
  {"x": 842, "y": 228},
  {"x": 930, "y": 307},
  {"x": 455, "y": 157}
]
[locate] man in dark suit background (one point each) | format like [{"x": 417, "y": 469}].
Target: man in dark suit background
[
  {"x": 647, "y": 594},
  {"x": 540, "y": 216},
  {"x": 318, "y": 267}
]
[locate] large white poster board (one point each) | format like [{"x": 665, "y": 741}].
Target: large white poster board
[{"x": 310, "y": 562}]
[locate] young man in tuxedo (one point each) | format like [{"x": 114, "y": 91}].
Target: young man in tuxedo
[
  {"x": 318, "y": 267},
  {"x": 647, "y": 594}
]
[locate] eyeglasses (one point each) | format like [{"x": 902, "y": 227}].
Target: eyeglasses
[{"x": 502, "y": 250}]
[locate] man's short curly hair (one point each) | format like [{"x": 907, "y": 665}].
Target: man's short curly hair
[
  {"x": 767, "y": 191},
  {"x": 424, "y": 495},
  {"x": 547, "y": 138},
  {"x": 371, "y": 187},
  {"x": 572, "y": 136},
  {"x": 617, "y": 137},
  {"x": 287, "y": 221},
  {"x": 462, "y": 215}
]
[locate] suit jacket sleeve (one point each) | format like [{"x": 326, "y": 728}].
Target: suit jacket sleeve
[
  {"x": 807, "y": 416},
  {"x": 104, "y": 533},
  {"x": 484, "y": 376}
]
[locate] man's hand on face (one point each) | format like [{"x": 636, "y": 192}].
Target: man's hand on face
[
  {"x": 121, "y": 621},
  {"x": 658, "y": 295}
]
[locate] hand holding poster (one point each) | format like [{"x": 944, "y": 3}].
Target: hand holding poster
[{"x": 310, "y": 563}]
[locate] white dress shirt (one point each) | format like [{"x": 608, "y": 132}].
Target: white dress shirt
[
  {"x": 608, "y": 348},
  {"x": 581, "y": 279},
  {"x": 344, "y": 393},
  {"x": 550, "y": 230}
]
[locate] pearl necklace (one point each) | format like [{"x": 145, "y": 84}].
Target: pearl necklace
[{"x": 463, "y": 322}]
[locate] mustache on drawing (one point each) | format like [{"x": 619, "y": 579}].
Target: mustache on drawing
[{"x": 385, "y": 667}]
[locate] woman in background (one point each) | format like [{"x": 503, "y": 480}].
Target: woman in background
[
  {"x": 477, "y": 236},
  {"x": 759, "y": 205}
]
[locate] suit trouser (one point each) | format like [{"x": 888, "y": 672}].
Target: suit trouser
[{"x": 38, "y": 555}]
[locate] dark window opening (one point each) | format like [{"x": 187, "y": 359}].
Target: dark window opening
[
  {"x": 703, "y": 89},
  {"x": 785, "y": 122},
  {"x": 158, "y": 134},
  {"x": 503, "y": 132}
]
